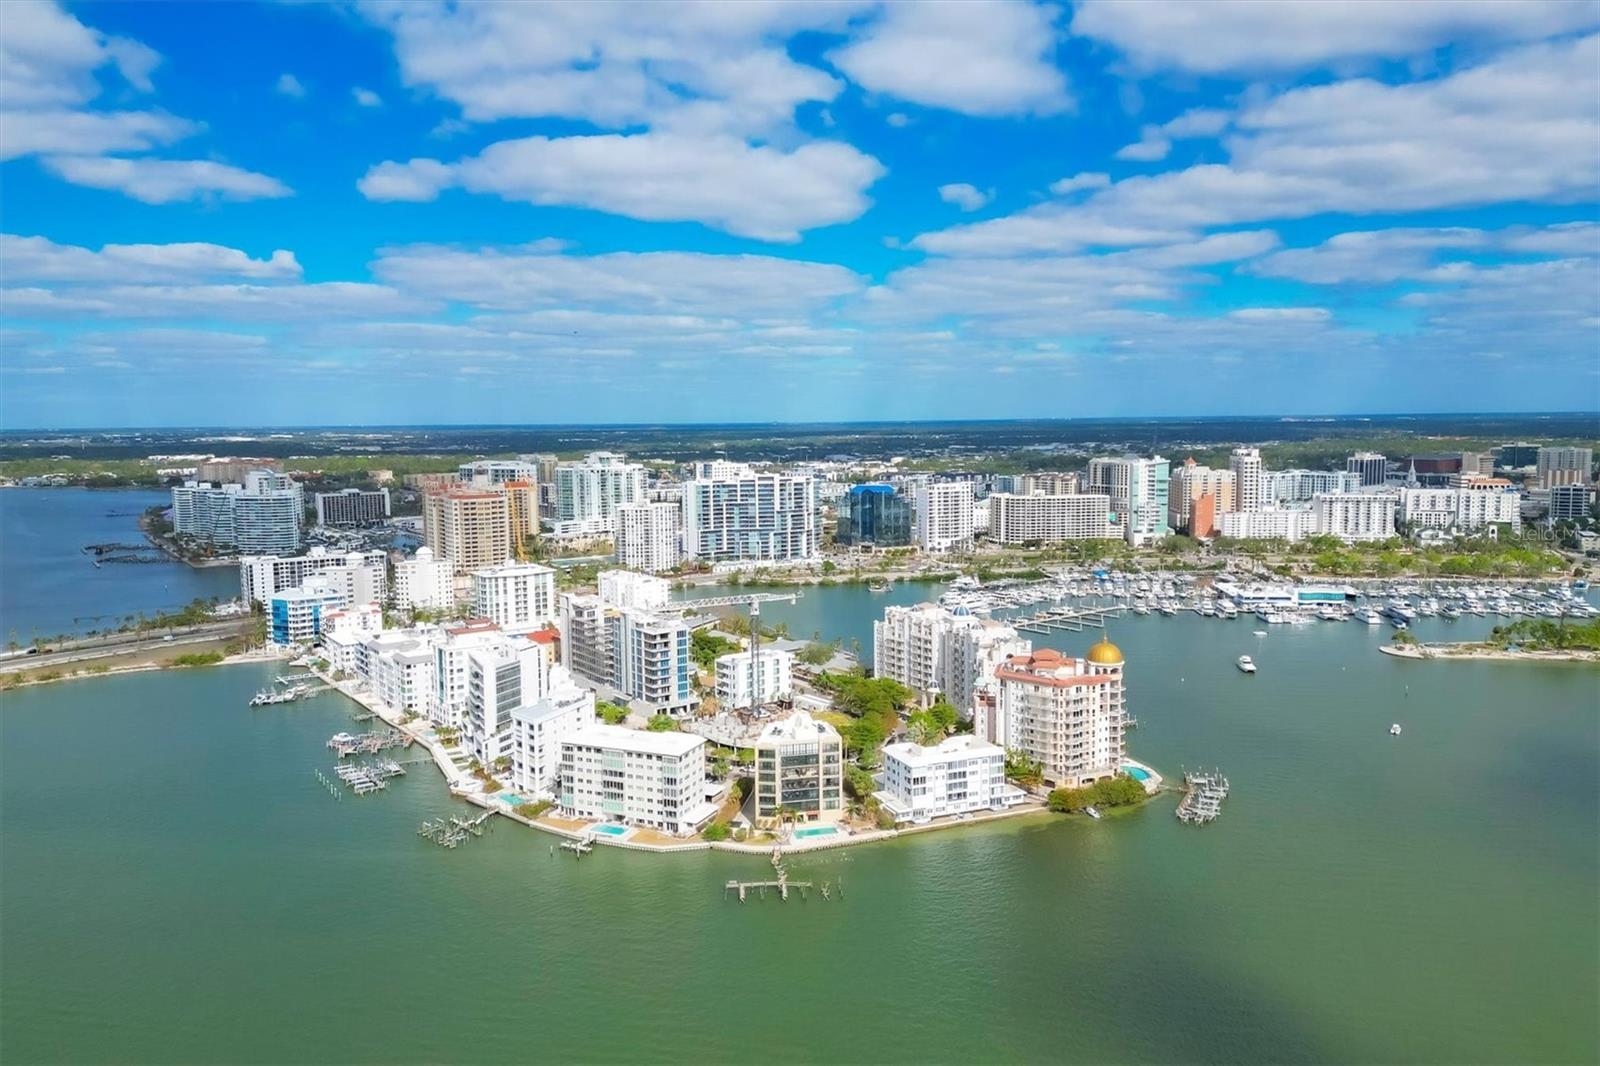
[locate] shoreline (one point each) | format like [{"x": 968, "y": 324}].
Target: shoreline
[{"x": 1477, "y": 651}]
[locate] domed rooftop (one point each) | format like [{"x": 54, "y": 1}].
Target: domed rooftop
[{"x": 1105, "y": 653}]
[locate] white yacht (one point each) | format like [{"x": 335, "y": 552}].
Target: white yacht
[
  {"x": 1369, "y": 616},
  {"x": 1394, "y": 730},
  {"x": 1247, "y": 664},
  {"x": 1092, "y": 812}
]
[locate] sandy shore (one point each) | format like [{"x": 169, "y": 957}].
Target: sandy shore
[
  {"x": 1483, "y": 652},
  {"x": 140, "y": 662}
]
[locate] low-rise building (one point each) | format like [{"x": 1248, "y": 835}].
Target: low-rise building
[
  {"x": 635, "y": 777},
  {"x": 398, "y": 665},
  {"x": 743, "y": 681},
  {"x": 517, "y": 597},
  {"x": 345, "y": 630},
  {"x": 1470, "y": 504},
  {"x": 537, "y": 730},
  {"x": 959, "y": 775},
  {"x": 295, "y": 615},
  {"x": 799, "y": 770}
]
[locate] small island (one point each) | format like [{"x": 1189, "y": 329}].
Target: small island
[{"x": 1526, "y": 640}]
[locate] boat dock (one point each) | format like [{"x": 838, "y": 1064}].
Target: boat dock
[
  {"x": 346, "y": 744},
  {"x": 369, "y": 777},
  {"x": 268, "y": 697},
  {"x": 579, "y": 847},
  {"x": 1073, "y": 619},
  {"x": 1202, "y": 797},
  {"x": 782, "y": 884},
  {"x": 452, "y": 831}
]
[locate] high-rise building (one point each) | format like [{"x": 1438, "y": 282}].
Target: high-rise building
[
  {"x": 1517, "y": 456},
  {"x": 501, "y": 677},
  {"x": 933, "y": 650},
  {"x": 750, "y": 679},
  {"x": 1199, "y": 494},
  {"x": 1042, "y": 519},
  {"x": 1269, "y": 523},
  {"x": 424, "y": 582},
  {"x": 538, "y": 728},
  {"x": 635, "y": 777},
  {"x": 1246, "y": 466},
  {"x": 448, "y": 649},
  {"x": 800, "y": 770},
  {"x": 1067, "y": 714},
  {"x": 262, "y": 575},
  {"x": 262, "y": 516},
  {"x": 1049, "y": 482},
  {"x": 1371, "y": 467},
  {"x": 1138, "y": 489},
  {"x": 484, "y": 473},
  {"x": 470, "y": 527},
  {"x": 943, "y": 515},
  {"x": 751, "y": 517},
  {"x": 641, "y": 652},
  {"x": 352, "y": 507},
  {"x": 1569, "y": 502},
  {"x": 296, "y": 614},
  {"x": 1471, "y": 504},
  {"x": 649, "y": 536},
  {"x": 1352, "y": 516},
  {"x": 233, "y": 470},
  {"x": 1288, "y": 487},
  {"x": 1564, "y": 466},
  {"x": 517, "y": 597},
  {"x": 876, "y": 515},
  {"x": 590, "y": 492}
]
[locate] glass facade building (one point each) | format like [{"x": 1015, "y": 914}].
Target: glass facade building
[{"x": 874, "y": 514}]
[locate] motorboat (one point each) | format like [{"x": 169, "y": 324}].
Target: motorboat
[
  {"x": 1370, "y": 616},
  {"x": 1394, "y": 730},
  {"x": 1399, "y": 625},
  {"x": 1092, "y": 812},
  {"x": 1247, "y": 664}
]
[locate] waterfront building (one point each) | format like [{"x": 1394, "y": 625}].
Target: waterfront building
[
  {"x": 635, "y": 777},
  {"x": 961, "y": 774},
  {"x": 649, "y": 536},
  {"x": 1371, "y": 467},
  {"x": 261, "y": 516},
  {"x": 625, "y": 588},
  {"x": 1353, "y": 516},
  {"x": 537, "y": 730},
  {"x": 1564, "y": 466},
  {"x": 517, "y": 597},
  {"x": 874, "y": 514},
  {"x": 353, "y": 507},
  {"x": 943, "y": 515},
  {"x": 1199, "y": 494},
  {"x": 447, "y": 698},
  {"x": 1287, "y": 487},
  {"x": 401, "y": 669},
  {"x": 1472, "y": 503},
  {"x": 799, "y": 770},
  {"x": 1246, "y": 466},
  {"x": 751, "y": 517},
  {"x": 260, "y": 576},
  {"x": 641, "y": 653},
  {"x": 1279, "y": 596},
  {"x": 589, "y": 494},
  {"x": 424, "y": 582},
  {"x": 586, "y": 636},
  {"x": 343, "y": 633},
  {"x": 1049, "y": 519},
  {"x": 1139, "y": 491},
  {"x": 932, "y": 650},
  {"x": 469, "y": 527},
  {"x": 1067, "y": 714},
  {"x": 971, "y": 649},
  {"x": 501, "y": 677},
  {"x": 1290, "y": 524},
  {"x": 745, "y": 681},
  {"x": 295, "y": 615},
  {"x": 1568, "y": 503}
]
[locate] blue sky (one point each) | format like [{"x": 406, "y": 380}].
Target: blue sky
[{"x": 436, "y": 213}]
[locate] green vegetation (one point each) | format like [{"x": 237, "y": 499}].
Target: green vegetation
[
  {"x": 716, "y": 831},
  {"x": 1403, "y": 638},
  {"x": 662, "y": 723},
  {"x": 1542, "y": 634},
  {"x": 610, "y": 713},
  {"x": 875, "y": 704},
  {"x": 1117, "y": 791},
  {"x": 705, "y": 646},
  {"x": 533, "y": 810},
  {"x": 1029, "y": 773},
  {"x": 859, "y": 784},
  {"x": 203, "y": 658},
  {"x": 447, "y": 735},
  {"x": 816, "y": 653},
  {"x": 932, "y": 725}
]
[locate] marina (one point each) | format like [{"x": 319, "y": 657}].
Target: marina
[
  {"x": 452, "y": 831},
  {"x": 1203, "y": 794},
  {"x": 347, "y": 744}
]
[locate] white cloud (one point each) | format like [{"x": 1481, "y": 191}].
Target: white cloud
[
  {"x": 1150, "y": 148},
  {"x": 1085, "y": 180},
  {"x": 48, "y": 58},
  {"x": 754, "y": 191},
  {"x": 162, "y": 181},
  {"x": 1156, "y": 141},
  {"x": 1244, "y": 36},
  {"x": 289, "y": 85},
  {"x": 221, "y": 303},
  {"x": 1280, "y": 314},
  {"x": 38, "y": 259},
  {"x": 1383, "y": 256},
  {"x": 967, "y": 197},
  {"x": 898, "y": 119},
  {"x": 990, "y": 59},
  {"x": 87, "y": 132},
  {"x": 366, "y": 97}
]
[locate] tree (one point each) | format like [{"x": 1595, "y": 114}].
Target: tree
[
  {"x": 816, "y": 653},
  {"x": 866, "y": 735},
  {"x": 715, "y": 831},
  {"x": 662, "y": 723},
  {"x": 923, "y": 729},
  {"x": 1028, "y": 773},
  {"x": 859, "y": 783},
  {"x": 610, "y": 713}
]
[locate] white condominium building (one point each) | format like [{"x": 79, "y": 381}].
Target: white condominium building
[
  {"x": 485, "y": 472},
  {"x": 1048, "y": 519},
  {"x": 930, "y": 649},
  {"x": 424, "y": 582},
  {"x": 471, "y": 528},
  {"x": 398, "y": 665},
  {"x": 633, "y": 776},
  {"x": 589, "y": 493},
  {"x": 352, "y": 507},
  {"x": 262, "y": 575},
  {"x": 500, "y": 678},
  {"x": 800, "y": 770},
  {"x": 625, "y": 588},
  {"x": 1068, "y": 714},
  {"x": 343, "y": 633},
  {"x": 295, "y": 615},
  {"x": 447, "y": 703},
  {"x": 1270, "y": 524},
  {"x": 1246, "y": 466},
  {"x": 263, "y": 516},
  {"x": 751, "y": 517},
  {"x": 537, "y": 730},
  {"x": 1138, "y": 489},
  {"x": 1280, "y": 487},
  {"x": 649, "y": 536},
  {"x": 517, "y": 597},
  {"x": 743, "y": 683},
  {"x": 971, "y": 649},
  {"x": 943, "y": 515},
  {"x": 1352, "y": 516},
  {"x": 641, "y": 653},
  {"x": 1564, "y": 466},
  {"x": 1473, "y": 504},
  {"x": 959, "y": 775}
]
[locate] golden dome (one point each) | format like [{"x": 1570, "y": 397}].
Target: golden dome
[{"x": 1105, "y": 653}]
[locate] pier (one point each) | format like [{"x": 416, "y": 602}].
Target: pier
[
  {"x": 1072, "y": 619},
  {"x": 580, "y": 847},
  {"x": 452, "y": 831},
  {"x": 269, "y": 697},
  {"x": 346, "y": 744},
  {"x": 1202, "y": 797},
  {"x": 369, "y": 777},
  {"x": 782, "y": 884}
]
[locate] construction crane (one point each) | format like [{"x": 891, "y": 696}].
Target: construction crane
[{"x": 752, "y": 600}]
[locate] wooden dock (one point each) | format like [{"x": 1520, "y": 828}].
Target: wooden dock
[
  {"x": 1202, "y": 797},
  {"x": 1072, "y": 619},
  {"x": 781, "y": 884}
]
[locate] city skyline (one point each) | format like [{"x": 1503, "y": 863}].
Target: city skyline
[{"x": 550, "y": 215}]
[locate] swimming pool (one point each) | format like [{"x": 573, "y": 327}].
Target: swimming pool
[
  {"x": 816, "y": 831},
  {"x": 1138, "y": 773},
  {"x": 611, "y": 830},
  {"x": 511, "y": 798}
]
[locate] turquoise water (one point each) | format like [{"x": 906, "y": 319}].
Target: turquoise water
[
  {"x": 1137, "y": 773},
  {"x": 611, "y": 830},
  {"x": 50, "y": 585},
  {"x": 816, "y": 831}
]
